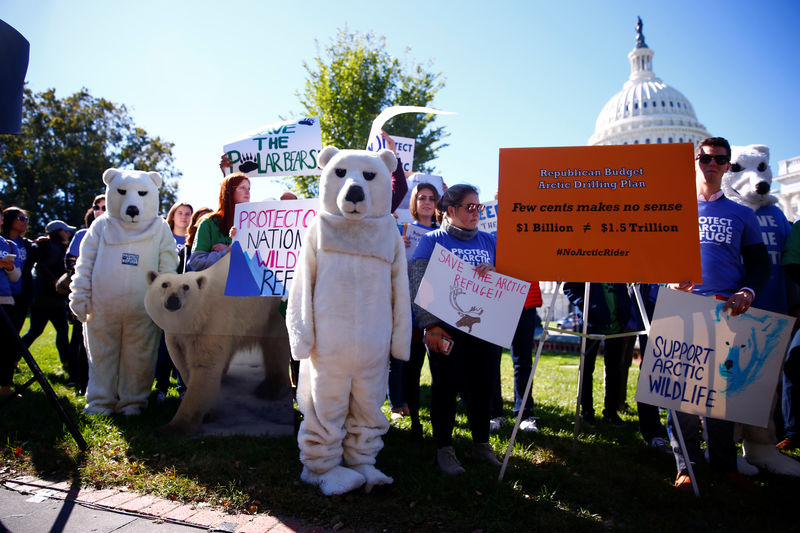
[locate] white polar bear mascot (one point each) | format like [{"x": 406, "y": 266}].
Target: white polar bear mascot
[
  {"x": 349, "y": 309},
  {"x": 108, "y": 292},
  {"x": 748, "y": 182}
]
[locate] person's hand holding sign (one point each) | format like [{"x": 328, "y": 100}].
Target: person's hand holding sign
[
  {"x": 437, "y": 340},
  {"x": 739, "y": 302}
]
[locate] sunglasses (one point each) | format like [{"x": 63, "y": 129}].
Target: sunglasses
[
  {"x": 22, "y": 218},
  {"x": 706, "y": 159},
  {"x": 471, "y": 208},
  {"x": 98, "y": 208}
]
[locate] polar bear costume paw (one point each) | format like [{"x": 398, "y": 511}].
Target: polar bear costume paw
[
  {"x": 373, "y": 475},
  {"x": 767, "y": 457},
  {"x": 95, "y": 410},
  {"x": 337, "y": 480}
]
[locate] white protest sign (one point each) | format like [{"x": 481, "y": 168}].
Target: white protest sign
[
  {"x": 486, "y": 307},
  {"x": 267, "y": 246},
  {"x": 402, "y": 212},
  {"x": 488, "y": 219},
  {"x": 414, "y": 234},
  {"x": 287, "y": 148},
  {"x": 702, "y": 360},
  {"x": 403, "y": 147}
]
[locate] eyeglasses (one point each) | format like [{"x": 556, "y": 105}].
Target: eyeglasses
[
  {"x": 706, "y": 159},
  {"x": 470, "y": 207},
  {"x": 98, "y": 208},
  {"x": 22, "y": 218}
]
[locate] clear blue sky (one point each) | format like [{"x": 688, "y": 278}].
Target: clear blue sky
[{"x": 524, "y": 73}]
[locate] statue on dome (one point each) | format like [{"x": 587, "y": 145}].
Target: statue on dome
[{"x": 639, "y": 35}]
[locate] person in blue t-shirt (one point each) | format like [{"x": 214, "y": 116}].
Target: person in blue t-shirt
[
  {"x": 454, "y": 356},
  {"x": 735, "y": 266}
]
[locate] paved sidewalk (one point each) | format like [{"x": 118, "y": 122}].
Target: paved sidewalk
[{"x": 29, "y": 504}]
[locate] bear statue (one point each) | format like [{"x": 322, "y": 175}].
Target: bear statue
[
  {"x": 349, "y": 309},
  {"x": 108, "y": 291},
  {"x": 205, "y": 328}
]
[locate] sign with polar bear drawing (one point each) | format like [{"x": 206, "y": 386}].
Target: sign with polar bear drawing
[
  {"x": 487, "y": 307},
  {"x": 265, "y": 250},
  {"x": 701, "y": 360},
  {"x": 287, "y": 148}
]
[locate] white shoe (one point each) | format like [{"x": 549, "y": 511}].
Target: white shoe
[
  {"x": 448, "y": 462},
  {"x": 484, "y": 452},
  {"x": 496, "y": 423},
  {"x": 529, "y": 425}
]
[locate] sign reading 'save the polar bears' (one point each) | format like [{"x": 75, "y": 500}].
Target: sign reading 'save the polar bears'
[
  {"x": 287, "y": 148},
  {"x": 487, "y": 307},
  {"x": 267, "y": 246},
  {"x": 701, "y": 360}
]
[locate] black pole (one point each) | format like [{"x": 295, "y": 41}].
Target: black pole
[{"x": 38, "y": 375}]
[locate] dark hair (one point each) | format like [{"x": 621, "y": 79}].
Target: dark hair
[
  {"x": 98, "y": 198},
  {"x": 412, "y": 203},
  {"x": 715, "y": 141},
  {"x": 171, "y": 214},
  {"x": 89, "y": 217},
  {"x": 454, "y": 195},
  {"x": 10, "y": 214},
  {"x": 197, "y": 216},
  {"x": 223, "y": 216}
]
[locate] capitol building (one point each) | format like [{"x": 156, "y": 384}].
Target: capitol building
[{"x": 646, "y": 110}]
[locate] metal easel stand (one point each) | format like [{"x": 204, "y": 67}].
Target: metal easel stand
[
  {"x": 542, "y": 339},
  {"x": 38, "y": 376}
]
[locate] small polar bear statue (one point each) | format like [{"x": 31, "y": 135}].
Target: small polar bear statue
[
  {"x": 349, "y": 310},
  {"x": 108, "y": 292},
  {"x": 205, "y": 329}
]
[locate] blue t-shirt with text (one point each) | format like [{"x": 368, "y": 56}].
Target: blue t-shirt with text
[
  {"x": 725, "y": 227},
  {"x": 479, "y": 249}
]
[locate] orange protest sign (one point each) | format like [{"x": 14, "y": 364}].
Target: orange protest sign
[{"x": 622, "y": 213}]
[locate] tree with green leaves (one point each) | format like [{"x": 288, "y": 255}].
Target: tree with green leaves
[
  {"x": 54, "y": 167},
  {"x": 352, "y": 82}
]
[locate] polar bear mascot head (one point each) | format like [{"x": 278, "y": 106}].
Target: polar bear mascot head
[
  {"x": 356, "y": 184},
  {"x": 749, "y": 179},
  {"x": 132, "y": 196}
]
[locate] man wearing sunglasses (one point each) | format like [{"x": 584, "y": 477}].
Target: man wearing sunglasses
[{"x": 735, "y": 266}]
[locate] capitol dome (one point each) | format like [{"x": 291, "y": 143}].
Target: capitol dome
[{"x": 646, "y": 110}]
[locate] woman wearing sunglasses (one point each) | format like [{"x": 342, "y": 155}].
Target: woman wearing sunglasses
[{"x": 454, "y": 356}]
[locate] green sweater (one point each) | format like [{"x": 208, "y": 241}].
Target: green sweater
[{"x": 209, "y": 234}]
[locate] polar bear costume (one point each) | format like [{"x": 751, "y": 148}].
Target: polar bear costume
[
  {"x": 748, "y": 182},
  {"x": 108, "y": 292},
  {"x": 349, "y": 309}
]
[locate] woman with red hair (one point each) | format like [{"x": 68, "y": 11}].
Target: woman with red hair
[{"x": 213, "y": 238}]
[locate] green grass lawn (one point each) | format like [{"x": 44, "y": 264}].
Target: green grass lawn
[{"x": 606, "y": 480}]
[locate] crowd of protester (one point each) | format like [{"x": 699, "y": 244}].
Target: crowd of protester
[{"x": 34, "y": 277}]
